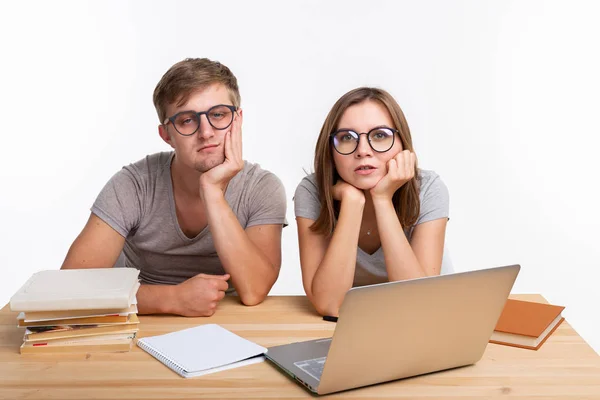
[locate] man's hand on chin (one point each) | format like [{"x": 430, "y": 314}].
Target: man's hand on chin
[{"x": 219, "y": 176}]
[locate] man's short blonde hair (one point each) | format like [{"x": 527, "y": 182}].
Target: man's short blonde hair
[{"x": 186, "y": 77}]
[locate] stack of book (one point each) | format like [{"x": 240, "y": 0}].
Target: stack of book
[{"x": 82, "y": 310}]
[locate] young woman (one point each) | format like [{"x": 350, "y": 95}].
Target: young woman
[{"x": 368, "y": 214}]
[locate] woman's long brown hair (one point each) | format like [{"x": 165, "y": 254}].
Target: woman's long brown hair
[{"x": 405, "y": 200}]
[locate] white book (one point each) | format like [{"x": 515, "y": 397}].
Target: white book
[
  {"x": 202, "y": 350},
  {"x": 77, "y": 289},
  {"x": 33, "y": 316}
]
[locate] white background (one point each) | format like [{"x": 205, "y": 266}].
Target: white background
[{"x": 502, "y": 98}]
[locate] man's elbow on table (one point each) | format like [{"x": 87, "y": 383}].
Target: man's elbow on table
[{"x": 253, "y": 298}]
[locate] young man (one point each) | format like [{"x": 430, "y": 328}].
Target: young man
[{"x": 196, "y": 219}]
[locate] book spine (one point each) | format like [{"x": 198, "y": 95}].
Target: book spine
[
  {"x": 69, "y": 304},
  {"x": 105, "y": 348}
]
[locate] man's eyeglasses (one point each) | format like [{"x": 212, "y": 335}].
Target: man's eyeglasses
[
  {"x": 187, "y": 123},
  {"x": 381, "y": 139}
]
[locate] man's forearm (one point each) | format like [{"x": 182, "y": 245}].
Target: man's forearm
[
  {"x": 252, "y": 274},
  {"x": 157, "y": 299}
]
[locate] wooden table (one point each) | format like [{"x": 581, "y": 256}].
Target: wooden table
[{"x": 564, "y": 368}]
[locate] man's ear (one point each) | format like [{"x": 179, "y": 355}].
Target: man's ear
[{"x": 164, "y": 135}]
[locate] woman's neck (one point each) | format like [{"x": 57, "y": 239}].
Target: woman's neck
[{"x": 369, "y": 210}]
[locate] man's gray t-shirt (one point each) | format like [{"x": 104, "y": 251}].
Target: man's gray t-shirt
[
  {"x": 138, "y": 203},
  {"x": 370, "y": 268}
]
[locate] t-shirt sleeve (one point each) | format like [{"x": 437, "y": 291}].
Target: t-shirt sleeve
[
  {"x": 267, "y": 203},
  {"x": 306, "y": 199},
  {"x": 119, "y": 204},
  {"x": 435, "y": 200}
]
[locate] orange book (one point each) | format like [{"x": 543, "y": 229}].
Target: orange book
[
  {"x": 526, "y": 324},
  {"x": 74, "y": 332},
  {"x": 106, "y": 320}
]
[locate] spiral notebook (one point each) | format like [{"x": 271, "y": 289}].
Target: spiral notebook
[{"x": 202, "y": 350}]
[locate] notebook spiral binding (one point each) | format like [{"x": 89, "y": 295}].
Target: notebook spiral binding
[{"x": 162, "y": 358}]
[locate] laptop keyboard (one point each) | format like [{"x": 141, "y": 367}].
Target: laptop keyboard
[{"x": 313, "y": 367}]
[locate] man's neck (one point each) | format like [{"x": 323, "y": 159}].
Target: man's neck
[{"x": 185, "y": 180}]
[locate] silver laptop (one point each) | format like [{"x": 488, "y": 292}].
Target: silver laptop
[{"x": 400, "y": 329}]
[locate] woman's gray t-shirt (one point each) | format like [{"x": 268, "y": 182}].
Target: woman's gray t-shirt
[
  {"x": 370, "y": 268},
  {"x": 138, "y": 203}
]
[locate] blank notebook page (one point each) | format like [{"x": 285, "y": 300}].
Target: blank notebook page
[{"x": 200, "y": 350}]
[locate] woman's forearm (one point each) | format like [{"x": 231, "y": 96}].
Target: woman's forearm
[
  {"x": 400, "y": 260},
  {"x": 335, "y": 274}
]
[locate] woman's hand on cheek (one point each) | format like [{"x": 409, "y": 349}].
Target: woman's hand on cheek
[
  {"x": 345, "y": 191},
  {"x": 400, "y": 170}
]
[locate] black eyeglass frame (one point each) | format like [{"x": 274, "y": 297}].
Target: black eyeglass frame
[
  {"x": 357, "y": 135},
  {"x": 199, "y": 115}
]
